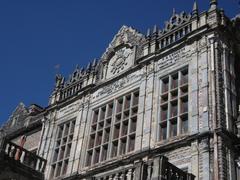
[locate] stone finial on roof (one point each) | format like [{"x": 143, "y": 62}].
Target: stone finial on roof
[
  {"x": 213, "y": 4},
  {"x": 195, "y": 9},
  {"x": 148, "y": 32},
  {"x": 155, "y": 29}
]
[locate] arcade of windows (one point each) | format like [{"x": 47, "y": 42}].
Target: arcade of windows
[
  {"x": 173, "y": 105},
  {"x": 113, "y": 129},
  {"x": 62, "y": 149}
]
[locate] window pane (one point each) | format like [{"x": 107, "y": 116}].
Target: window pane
[
  {"x": 52, "y": 171},
  {"x": 174, "y": 81},
  {"x": 116, "y": 131},
  {"x": 104, "y": 153},
  {"x": 60, "y": 131},
  {"x": 114, "y": 148},
  {"x": 164, "y": 98},
  {"x": 124, "y": 128},
  {"x": 123, "y": 146},
  {"x": 164, "y": 112},
  {"x": 163, "y": 131},
  {"x": 173, "y": 131},
  {"x": 91, "y": 141},
  {"x": 165, "y": 85},
  {"x": 133, "y": 125},
  {"x": 64, "y": 171},
  {"x": 96, "y": 157},
  {"x": 107, "y": 134},
  {"x": 135, "y": 98},
  {"x": 95, "y": 116},
  {"x": 102, "y": 115},
  {"x": 174, "y": 94},
  {"x": 184, "y": 78},
  {"x": 174, "y": 108},
  {"x": 127, "y": 102},
  {"x": 132, "y": 142},
  {"x": 99, "y": 138},
  {"x": 184, "y": 128},
  {"x": 89, "y": 158},
  {"x": 110, "y": 110},
  {"x": 119, "y": 105},
  {"x": 66, "y": 129},
  {"x": 184, "y": 105}
]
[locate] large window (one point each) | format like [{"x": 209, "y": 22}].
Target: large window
[
  {"x": 62, "y": 149},
  {"x": 174, "y": 105},
  {"x": 113, "y": 129}
]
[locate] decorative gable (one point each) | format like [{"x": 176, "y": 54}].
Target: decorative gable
[
  {"x": 18, "y": 117},
  {"x": 121, "y": 52}
]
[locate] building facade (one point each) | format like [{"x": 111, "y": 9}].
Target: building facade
[{"x": 170, "y": 96}]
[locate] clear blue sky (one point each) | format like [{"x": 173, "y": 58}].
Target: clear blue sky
[{"x": 37, "y": 35}]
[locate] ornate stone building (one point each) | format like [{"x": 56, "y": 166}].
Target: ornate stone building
[{"x": 152, "y": 107}]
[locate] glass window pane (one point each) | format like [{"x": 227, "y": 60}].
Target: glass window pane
[
  {"x": 184, "y": 127},
  {"x": 165, "y": 85},
  {"x": 174, "y": 81},
  {"x": 173, "y": 128},
  {"x": 163, "y": 131}
]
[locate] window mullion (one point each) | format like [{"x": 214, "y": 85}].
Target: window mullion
[
  {"x": 112, "y": 128},
  {"x": 179, "y": 105},
  {"x": 169, "y": 107}
]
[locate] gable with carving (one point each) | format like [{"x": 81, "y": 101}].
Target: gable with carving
[{"x": 120, "y": 54}]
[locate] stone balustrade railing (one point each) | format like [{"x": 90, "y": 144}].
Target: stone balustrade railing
[{"x": 24, "y": 156}]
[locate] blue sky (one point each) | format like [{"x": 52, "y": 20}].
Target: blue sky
[{"x": 37, "y": 35}]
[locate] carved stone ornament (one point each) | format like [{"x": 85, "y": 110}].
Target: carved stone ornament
[
  {"x": 125, "y": 36},
  {"x": 176, "y": 20},
  {"x": 120, "y": 60}
]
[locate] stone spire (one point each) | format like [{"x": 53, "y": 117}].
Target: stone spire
[
  {"x": 213, "y": 4},
  {"x": 148, "y": 32},
  {"x": 174, "y": 12},
  {"x": 195, "y": 9}
]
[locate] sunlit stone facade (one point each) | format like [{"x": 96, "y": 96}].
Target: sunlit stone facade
[{"x": 172, "y": 92}]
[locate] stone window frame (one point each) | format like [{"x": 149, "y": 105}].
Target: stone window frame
[
  {"x": 62, "y": 148},
  {"x": 170, "y": 99},
  {"x": 124, "y": 114}
]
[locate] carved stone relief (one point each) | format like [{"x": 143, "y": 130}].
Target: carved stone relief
[
  {"x": 119, "y": 84},
  {"x": 173, "y": 58},
  {"x": 120, "y": 61}
]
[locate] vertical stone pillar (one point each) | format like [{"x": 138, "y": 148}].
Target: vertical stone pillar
[
  {"x": 195, "y": 159},
  {"x": 140, "y": 171},
  {"x": 76, "y": 144},
  {"x": 203, "y": 86},
  {"x": 159, "y": 166},
  {"x": 148, "y": 122},
  {"x": 205, "y": 157},
  {"x": 49, "y": 142},
  {"x": 84, "y": 132},
  {"x": 194, "y": 91},
  {"x": 141, "y": 109}
]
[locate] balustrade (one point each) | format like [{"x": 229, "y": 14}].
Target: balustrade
[{"x": 24, "y": 156}]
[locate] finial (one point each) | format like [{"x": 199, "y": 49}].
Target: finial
[
  {"x": 148, "y": 32},
  {"x": 94, "y": 62},
  {"x": 195, "y": 9},
  {"x": 77, "y": 66},
  {"x": 174, "y": 12},
  {"x": 155, "y": 29},
  {"x": 213, "y": 4},
  {"x": 89, "y": 66}
]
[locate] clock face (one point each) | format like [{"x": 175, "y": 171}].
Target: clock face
[{"x": 120, "y": 60}]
